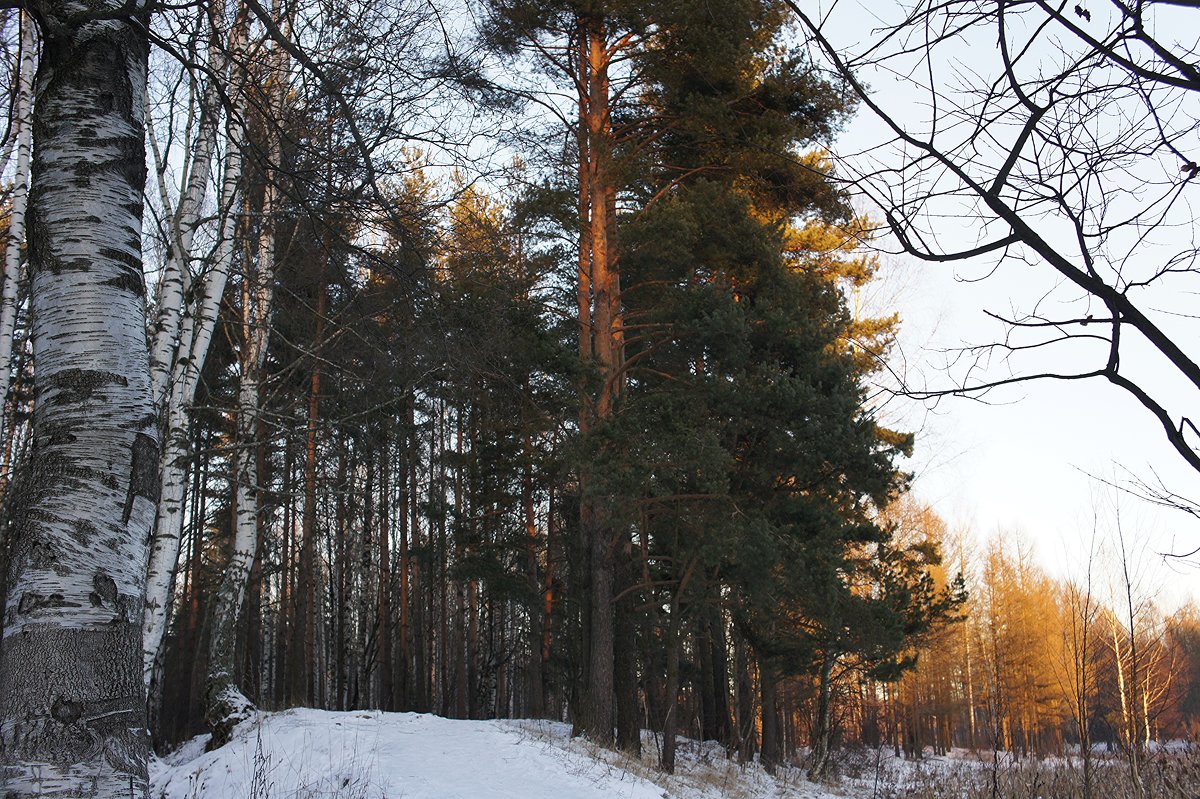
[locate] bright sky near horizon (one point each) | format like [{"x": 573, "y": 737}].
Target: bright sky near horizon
[{"x": 1031, "y": 459}]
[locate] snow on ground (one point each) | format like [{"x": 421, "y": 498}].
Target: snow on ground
[{"x": 313, "y": 754}]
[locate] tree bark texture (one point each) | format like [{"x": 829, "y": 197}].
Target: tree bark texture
[{"x": 73, "y": 718}]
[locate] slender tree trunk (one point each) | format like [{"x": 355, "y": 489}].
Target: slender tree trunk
[
  {"x": 548, "y": 598},
  {"x": 535, "y": 703},
  {"x": 671, "y": 708},
  {"x": 226, "y": 703},
  {"x": 405, "y": 699},
  {"x": 746, "y": 738},
  {"x": 458, "y": 608},
  {"x": 285, "y": 614},
  {"x": 625, "y": 682},
  {"x": 18, "y": 202},
  {"x": 300, "y": 679},
  {"x": 720, "y": 677},
  {"x": 72, "y": 698},
  {"x": 171, "y": 301},
  {"x": 198, "y": 328},
  {"x": 472, "y": 652},
  {"x": 671, "y": 699},
  {"x": 383, "y": 634},
  {"x": 421, "y": 620},
  {"x": 342, "y": 571},
  {"x": 823, "y": 728},
  {"x": 771, "y": 754}
]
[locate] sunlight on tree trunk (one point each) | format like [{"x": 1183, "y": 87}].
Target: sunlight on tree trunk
[{"x": 71, "y": 684}]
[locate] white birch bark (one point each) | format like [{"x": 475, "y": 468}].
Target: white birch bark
[
  {"x": 197, "y": 331},
  {"x": 172, "y": 287},
  {"x": 226, "y": 705},
  {"x": 72, "y": 701},
  {"x": 16, "y": 219},
  {"x": 194, "y": 336}
]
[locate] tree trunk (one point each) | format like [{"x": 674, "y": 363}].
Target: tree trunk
[
  {"x": 625, "y": 679},
  {"x": 383, "y": 634},
  {"x": 301, "y": 678},
  {"x": 341, "y": 587},
  {"x": 404, "y": 700},
  {"x": 72, "y": 699},
  {"x": 226, "y": 705},
  {"x": 720, "y": 676},
  {"x": 172, "y": 288},
  {"x": 823, "y": 727},
  {"x": 535, "y": 701},
  {"x": 597, "y": 523},
  {"x": 745, "y": 702},
  {"x": 197, "y": 334},
  {"x": 18, "y": 202},
  {"x": 771, "y": 754}
]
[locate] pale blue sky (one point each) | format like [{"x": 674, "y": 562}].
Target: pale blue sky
[{"x": 1024, "y": 460}]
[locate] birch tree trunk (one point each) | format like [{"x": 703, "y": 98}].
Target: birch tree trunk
[
  {"x": 16, "y": 220},
  {"x": 72, "y": 701},
  {"x": 226, "y": 704},
  {"x": 195, "y": 331}
]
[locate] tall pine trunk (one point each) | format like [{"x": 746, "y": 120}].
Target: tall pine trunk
[
  {"x": 597, "y": 525},
  {"x": 72, "y": 700}
]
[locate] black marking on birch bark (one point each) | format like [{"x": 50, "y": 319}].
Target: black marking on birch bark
[
  {"x": 143, "y": 473},
  {"x": 105, "y": 591},
  {"x": 79, "y": 385},
  {"x": 32, "y": 602},
  {"x": 127, "y": 281},
  {"x": 147, "y": 422},
  {"x": 43, "y": 556},
  {"x": 82, "y": 531},
  {"x": 122, "y": 257},
  {"x": 61, "y": 438}
]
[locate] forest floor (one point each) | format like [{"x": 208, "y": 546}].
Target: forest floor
[{"x": 311, "y": 754}]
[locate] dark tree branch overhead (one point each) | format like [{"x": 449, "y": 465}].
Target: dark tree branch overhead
[{"x": 1079, "y": 139}]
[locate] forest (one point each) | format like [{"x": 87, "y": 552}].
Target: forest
[{"x": 507, "y": 361}]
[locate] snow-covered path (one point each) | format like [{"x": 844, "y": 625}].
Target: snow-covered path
[
  {"x": 371, "y": 755},
  {"x": 311, "y": 754}
]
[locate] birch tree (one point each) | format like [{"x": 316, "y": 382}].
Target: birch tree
[
  {"x": 226, "y": 703},
  {"x": 19, "y": 201},
  {"x": 72, "y": 701},
  {"x": 186, "y": 320}
]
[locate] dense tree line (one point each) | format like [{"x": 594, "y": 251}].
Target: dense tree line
[{"x": 1038, "y": 666}]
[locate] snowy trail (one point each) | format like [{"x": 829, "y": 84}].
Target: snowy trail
[{"x": 303, "y": 754}]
